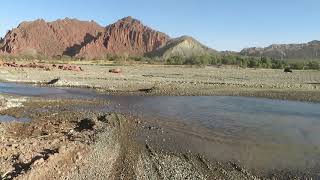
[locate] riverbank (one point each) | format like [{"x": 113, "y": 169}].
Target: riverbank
[
  {"x": 9, "y": 101},
  {"x": 67, "y": 139},
  {"x": 178, "y": 80},
  {"x": 60, "y": 143}
]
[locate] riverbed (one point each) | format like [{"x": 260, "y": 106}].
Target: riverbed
[{"x": 260, "y": 133}]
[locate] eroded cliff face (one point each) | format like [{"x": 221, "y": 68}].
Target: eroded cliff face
[
  {"x": 72, "y": 37},
  {"x": 61, "y": 37},
  {"x": 127, "y": 36}
]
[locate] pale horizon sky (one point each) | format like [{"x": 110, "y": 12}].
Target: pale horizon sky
[{"x": 222, "y": 25}]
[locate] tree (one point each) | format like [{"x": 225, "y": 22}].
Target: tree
[
  {"x": 176, "y": 60},
  {"x": 297, "y": 65},
  {"x": 266, "y": 62},
  {"x": 253, "y": 63},
  {"x": 313, "y": 65},
  {"x": 277, "y": 64}
]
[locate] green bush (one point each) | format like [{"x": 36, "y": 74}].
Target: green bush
[
  {"x": 253, "y": 63},
  {"x": 197, "y": 60},
  {"x": 266, "y": 62},
  {"x": 277, "y": 64},
  {"x": 313, "y": 65},
  {"x": 176, "y": 60},
  {"x": 297, "y": 65}
]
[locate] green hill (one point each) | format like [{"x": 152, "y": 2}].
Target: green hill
[{"x": 184, "y": 46}]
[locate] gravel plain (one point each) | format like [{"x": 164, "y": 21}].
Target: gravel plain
[{"x": 178, "y": 80}]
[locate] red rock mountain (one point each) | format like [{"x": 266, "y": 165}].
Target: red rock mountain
[
  {"x": 127, "y": 36},
  {"x": 72, "y": 37},
  {"x": 61, "y": 37}
]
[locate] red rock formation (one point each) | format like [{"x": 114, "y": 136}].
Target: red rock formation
[
  {"x": 72, "y": 37},
  {"x": 55, "y": 38},
  {"x": 127, "y": 36}
]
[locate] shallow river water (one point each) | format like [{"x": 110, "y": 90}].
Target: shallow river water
[{"x": 259, "y": 132}]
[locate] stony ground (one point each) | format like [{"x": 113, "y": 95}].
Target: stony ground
[
  {"x": 179, "y": 80},
  {"x": 63, "y": 143},
  {"x": 60, "y": 143}
]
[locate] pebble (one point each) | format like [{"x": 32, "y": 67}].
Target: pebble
[
  {"x": 79, "y": 156},
  {"x": 39, "y": 161}
]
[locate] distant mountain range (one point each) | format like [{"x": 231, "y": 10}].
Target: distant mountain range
[
  {"x": 310, "y": 50},
  {"x": 128, "y": 37}
]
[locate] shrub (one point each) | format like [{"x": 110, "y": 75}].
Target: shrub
[
  {"x": 253, "y": 63},
  {"x": 176, "y": 60},
  {"x": 197, "y": 60},
  {"x": 277, "y": 64},
  {"x": 313, "y": 65},
  {"x": 297, "y": 65}
]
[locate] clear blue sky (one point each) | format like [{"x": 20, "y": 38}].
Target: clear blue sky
[{"x": 220, "y": 24}]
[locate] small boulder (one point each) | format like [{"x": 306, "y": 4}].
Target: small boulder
[
  {"x": 85, "y": 124},
  {"x": 54, "y": 81},
  {"x": 116, "y": 70},
  {"x": 287, "y": 69}
]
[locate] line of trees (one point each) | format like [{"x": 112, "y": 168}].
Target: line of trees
[
  {"x": 242, "y": 61},
  {"x": 209, "y": 59}
]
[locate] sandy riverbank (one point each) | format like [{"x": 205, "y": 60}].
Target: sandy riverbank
[{"x": 179, "y": 80}]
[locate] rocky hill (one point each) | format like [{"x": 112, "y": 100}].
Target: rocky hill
[
  {"x": 127, "y": 36},
  {"x": 61, "y": 37},
  {"x": 310, "y": 50},
  {"x": 183, "y": 46}
]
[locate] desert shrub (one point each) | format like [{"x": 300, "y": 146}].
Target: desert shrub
[
  {"x": 197, "y": 60},
  {"x": 243, "y": 63},
  {"x": 252, "y": 63},
  {"x": 138, "y": 58},
  {"x": 265, "y": 62},
  {"x": 297, "y": 65},
  {"x": 176, "y": 60},
  {"x": 111, "y": 57},
  {"x": 214, "y": 59},
  {"x": 144, "y": 59},
  {"x": 277, "y": 64},
  {"x": 313, "y": 65}
]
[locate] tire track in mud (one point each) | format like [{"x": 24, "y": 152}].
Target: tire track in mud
[{"x": 116, "y": 155}]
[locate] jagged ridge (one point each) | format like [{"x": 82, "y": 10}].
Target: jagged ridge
[
  {"x": 127, "y": 36},
  {"x": 61, "y": 37}
]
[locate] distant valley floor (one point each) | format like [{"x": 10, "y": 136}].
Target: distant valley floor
[{"x": 178, "y": 80}]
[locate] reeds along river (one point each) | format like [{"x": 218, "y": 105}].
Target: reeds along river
[{"x": 259, "y": 132}]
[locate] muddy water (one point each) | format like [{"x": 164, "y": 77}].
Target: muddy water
[
  {"x": 7, "y": 118},
  {"x": 261, "y": 133}
]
